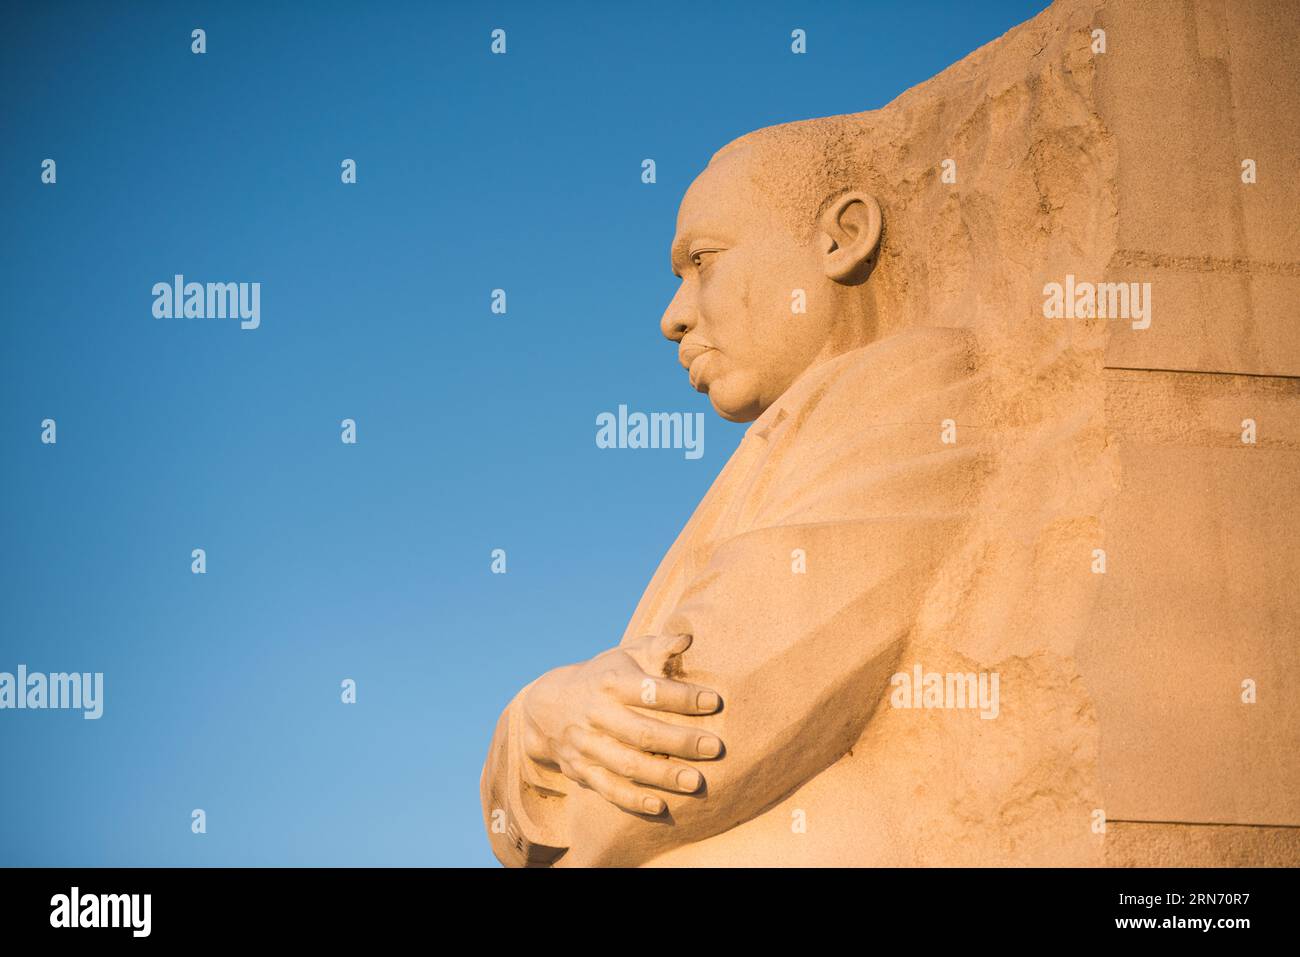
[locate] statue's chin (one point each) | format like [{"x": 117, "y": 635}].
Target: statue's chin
[
  {"x": 745, "y": 416},
  {"x": 732, "y": 401}
]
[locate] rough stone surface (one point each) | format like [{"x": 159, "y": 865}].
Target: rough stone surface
[{"x": 1122, "y": 691}]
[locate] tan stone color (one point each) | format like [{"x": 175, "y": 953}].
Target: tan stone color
[{"x": 935, "y": 468}]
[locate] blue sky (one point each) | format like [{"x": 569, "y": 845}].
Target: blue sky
[{"x": 475, "y": 431}]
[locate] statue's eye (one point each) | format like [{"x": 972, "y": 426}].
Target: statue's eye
[{"x": 701, "y": 256}]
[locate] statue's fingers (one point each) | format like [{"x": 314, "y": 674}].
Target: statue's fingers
[
  {"x": 668, "y": 694},
  {"x": 651, "y": 652},
  {"x": 621, "y": 792},
  {"x": 573, "y": 767},
  {"x": 636, "y": 765},
  {"x": 657, "y": 737},
  {"x": 663, "y": 647}
]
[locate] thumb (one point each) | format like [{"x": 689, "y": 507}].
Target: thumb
[{"x": 668, "y": 646}]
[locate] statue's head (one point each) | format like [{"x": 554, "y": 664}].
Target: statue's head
[{"x": 779, "y": 219}]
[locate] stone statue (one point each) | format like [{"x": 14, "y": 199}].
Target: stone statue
[{"x": 960, "y": 591}]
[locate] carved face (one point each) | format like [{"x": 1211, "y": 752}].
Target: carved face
[{"x": 740, "y": 267}]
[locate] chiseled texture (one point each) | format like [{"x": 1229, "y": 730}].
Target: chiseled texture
[{"x": 1122, "y": 691}]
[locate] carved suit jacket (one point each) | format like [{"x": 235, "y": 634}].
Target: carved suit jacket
[{"x": 800, "y": 576}]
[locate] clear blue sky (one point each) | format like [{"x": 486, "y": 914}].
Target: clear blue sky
[{"x": 475, "y": 431}]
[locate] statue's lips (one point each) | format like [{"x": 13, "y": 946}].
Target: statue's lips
[
  {"x": 693, "y": 357},
  {"x": 687, "y": 354}
]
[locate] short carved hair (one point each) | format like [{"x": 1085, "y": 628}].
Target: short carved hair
[{"x": 800, "y": 168}]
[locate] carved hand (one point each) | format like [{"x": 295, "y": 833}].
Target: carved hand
[{"x": 583, "y": 720}]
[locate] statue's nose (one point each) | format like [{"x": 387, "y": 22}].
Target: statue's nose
[{"x": 679, "y": 317}]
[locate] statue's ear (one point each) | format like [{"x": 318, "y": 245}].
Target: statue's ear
[{"x": 849, "y": 234}]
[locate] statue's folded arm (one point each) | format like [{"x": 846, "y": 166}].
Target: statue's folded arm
[{"x": 798, "y": 627}]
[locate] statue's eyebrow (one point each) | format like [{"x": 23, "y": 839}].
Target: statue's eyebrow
[{"x": 677, "y": 255}]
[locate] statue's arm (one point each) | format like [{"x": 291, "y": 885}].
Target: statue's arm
[
  {"x": 801, "y": 659},
  {"x": 581, "y": 725},
  {"x": 522, "y": 802}
]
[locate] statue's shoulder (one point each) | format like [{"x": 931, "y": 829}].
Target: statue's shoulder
[
  {"x": 926, "y": 351},
  {"x": 880, "y": 381}
]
